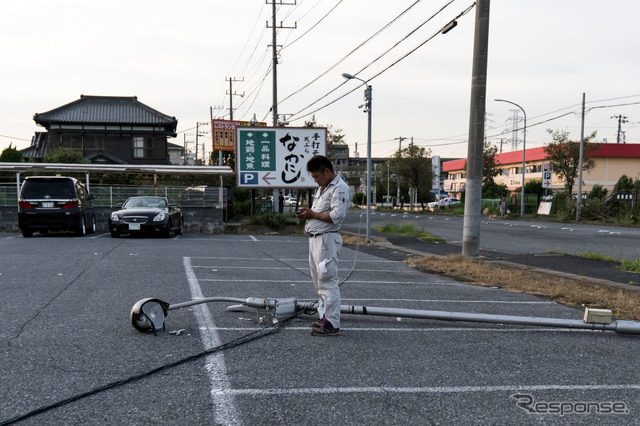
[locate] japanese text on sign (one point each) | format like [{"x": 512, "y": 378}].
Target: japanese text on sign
[
  {"x": 224, "y": 133},
  {"x": 277, "y": 157}
]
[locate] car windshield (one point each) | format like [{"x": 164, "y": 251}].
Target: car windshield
[
  {"x": 48, "y": 188},
  {"x": 145, "y": 202}
]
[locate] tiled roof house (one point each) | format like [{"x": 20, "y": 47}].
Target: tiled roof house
[{"x": 106, "y": 129}]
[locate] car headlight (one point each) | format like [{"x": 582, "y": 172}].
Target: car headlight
[
  {"x": 115, "y": 217},
  {"x": 160, "y": 217}
]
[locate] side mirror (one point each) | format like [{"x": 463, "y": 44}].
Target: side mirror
[
  {"x": 119, "y": 206},
  {"x": 149, "y": 314}
]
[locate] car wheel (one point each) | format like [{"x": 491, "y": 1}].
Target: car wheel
[
  {"x": 82, "y": 228},
  {"x": 115, "y": 234},
  {"x": 27, "y": 233},
  {"x": 179, "y": 228},
  {"x": 44, "y": 231}
]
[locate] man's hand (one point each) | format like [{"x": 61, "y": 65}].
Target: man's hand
[
  {"x": 304, "y": 213},
  {"x": 307, "y": 213}
]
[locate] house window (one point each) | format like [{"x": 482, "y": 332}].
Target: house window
[{"x": 142, "y": 147}]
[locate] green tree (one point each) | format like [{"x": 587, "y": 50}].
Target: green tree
[
  {"x": 564, "y": 156},
  {"x": 413, "y": 165},
  {"x": 623, "y": 185},
  {"x": 490, "y": 169},
  {"x": 598, "y": 192},
  {"x": 11, "y": 155},
  {"x": 533, "y": 186},
  {"x": 65, "y": 155}
]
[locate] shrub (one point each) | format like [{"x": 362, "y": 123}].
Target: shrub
[{"x": 273, "y": 220}]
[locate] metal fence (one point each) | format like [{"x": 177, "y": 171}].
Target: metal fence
[{"x": 110, "y": 196}]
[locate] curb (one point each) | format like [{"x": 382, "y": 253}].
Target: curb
[{"x": 591, "y": 280}]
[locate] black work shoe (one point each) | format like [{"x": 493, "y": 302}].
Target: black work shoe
[
  {"x": 325, "y": 329},
  {"x": 319, "y": 324}
]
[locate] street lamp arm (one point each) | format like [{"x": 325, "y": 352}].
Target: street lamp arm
[
  {"x": 352, "y": 77},
  {"x": 368, "y": 96},
  {"x": 513, "y": 103}
]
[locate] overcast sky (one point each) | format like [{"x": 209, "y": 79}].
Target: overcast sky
[{"x": 175, "y": 56}]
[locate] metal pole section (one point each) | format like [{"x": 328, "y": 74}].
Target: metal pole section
[
  {"x": 524, "y": 150},
  {"x": 275, "y": 192},
  {"x": 620, "y": 326},
  {"x": 579, "y": 205},
  {"x": 209, "y": 299},
  {"x": 368, "y": 96},
  {"x": 197, "y": 131},
  {"x": 473, "y": 189},
  {"x": 18, "y": 185},
  {"x": 290, "y": 306}
]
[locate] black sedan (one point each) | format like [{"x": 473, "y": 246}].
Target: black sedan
[{"x": 150, "y": 215}]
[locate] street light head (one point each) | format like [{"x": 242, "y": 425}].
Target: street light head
[
  {"x": 149, "y": 314},
  {"x": 348, "y": 76},
  {"x": 451, "y": 25}
]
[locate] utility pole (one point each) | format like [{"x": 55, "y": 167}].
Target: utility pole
[
  {"x": 473, "y": 191},
  {"x": 621, "y": 119},
  {"x": 198, "y": 124},
  {"x": 580, "y": 163},
  {"x": 399, "y": 139},
  {"x": 274, "y": 62},
  {"x": 274, "y": 45},
  {"x": 231, "y": 94}
]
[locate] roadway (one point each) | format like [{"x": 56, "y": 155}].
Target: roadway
[
  {"x": 518, "y": 236},
  {"x": 65, "y": 330}
]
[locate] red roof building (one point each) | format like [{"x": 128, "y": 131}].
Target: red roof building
[{"x": 611, "y": 162}]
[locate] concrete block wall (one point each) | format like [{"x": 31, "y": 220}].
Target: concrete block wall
[{"x": 197, "y": 220}]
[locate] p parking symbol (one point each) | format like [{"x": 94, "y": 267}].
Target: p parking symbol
[{"x": 249, "y": 178}]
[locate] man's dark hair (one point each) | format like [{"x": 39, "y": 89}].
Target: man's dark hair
[{"x": 318, "y": 163}]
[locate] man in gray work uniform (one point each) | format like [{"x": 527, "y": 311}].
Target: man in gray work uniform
[{"x": 330, "y": 205}]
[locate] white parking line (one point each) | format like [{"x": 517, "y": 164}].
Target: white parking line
[
  {"x": 435, "y": 389},
  {"x": 224, "y": 409}
]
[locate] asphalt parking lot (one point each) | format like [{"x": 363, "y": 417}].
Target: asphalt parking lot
[{"x": 65, "y": 331}]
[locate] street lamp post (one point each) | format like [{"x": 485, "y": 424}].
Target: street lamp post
[
  {"x": 524, "y": 147},
  {"x": 367, "y": 96}
]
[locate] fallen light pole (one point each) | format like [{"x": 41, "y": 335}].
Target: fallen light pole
[{"x": 149, "y": 314}]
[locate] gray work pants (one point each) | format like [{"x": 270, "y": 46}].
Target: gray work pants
[{"x": 324, "y": 251}]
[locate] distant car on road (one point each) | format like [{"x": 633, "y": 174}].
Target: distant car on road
[
  {"x": 290, "y": 201},
  {"x": 151, "y": 215},
  {"x": 54, "y": 203},
  {"x": 444, "y": 202}
]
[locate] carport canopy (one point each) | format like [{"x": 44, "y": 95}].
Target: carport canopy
[{"x": 114, "y": 168}]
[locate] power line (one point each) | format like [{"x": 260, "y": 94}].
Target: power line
[
  {"x": 379, "y": 73},
  {"x": 353, "y": 51},
  {"x": 313, "y": 26},
  {"x": 13, "y": 137}
]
